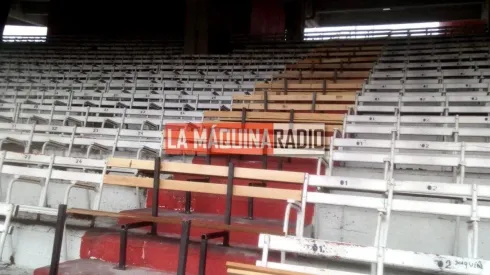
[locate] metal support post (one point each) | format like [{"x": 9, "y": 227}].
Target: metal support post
[
  {"x": 123, "y": 243},
  {"x": 156, "y": 192},
  {"x": 58, "y": 239},
  {"x": 184, "y": 245},
  {"x": 204, "y": 248}
]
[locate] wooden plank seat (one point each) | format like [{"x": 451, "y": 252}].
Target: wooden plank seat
[
  {"x": 245, "y": 269},
  {"x": 335, "y": 75},
  {"x": 318, "y": 81},
  {"x": 281, "y": 269},
  {"x": 331, "y": 121},
  {"x": 326, "y": 87},
  {"x": 315, "y": 66},
  {"x": 290, "y": 196},
  {"x": 345, "y": 61},
  {"x": 304, "y": 102}
]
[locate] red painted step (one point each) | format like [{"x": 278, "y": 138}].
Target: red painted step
[
  {"x": 161, "y": 253},
  {"x": 96, "y": 267},
  {"x": 236, "y": 238}
]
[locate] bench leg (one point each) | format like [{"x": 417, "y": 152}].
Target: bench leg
[
  {"x": 123, "y": 241},
  {"x": 203, "y": 256},
  {"x": 156, "y": 189},
  {"x": 58, "y": 240},
  {"x": 204, "y": 247},
  {"x": 184, "y": 245},
  {"x": 123, "y": 245}
]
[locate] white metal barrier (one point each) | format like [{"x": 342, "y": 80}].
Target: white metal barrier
[{"x": 365, "y": 254}]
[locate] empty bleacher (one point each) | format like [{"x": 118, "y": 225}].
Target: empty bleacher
[{"x": 402, "y": 189}]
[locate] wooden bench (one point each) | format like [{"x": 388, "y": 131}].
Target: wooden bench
[
  {"x": 329, "y": 88},
  {"x": 331, "y": 121},
  {"x": 337, "y": 74},
  {"x": 313, "y": 66},
  {"x": 196, "y": 185},
  {"x": 245, "y": 269},
  {"x": 305, "y": 102},
  {"x": 342, "y": 60}
]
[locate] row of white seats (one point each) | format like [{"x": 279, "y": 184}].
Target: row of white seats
[
  {"x": 420, "y": 74},
  {"x": 154, "y": 59},
  {"x": 391, "y": 52},
  {"x": 109, "y": 77},
  {"x": 139, "y": 87},
  {"x": 431, "y": 80},
  {"x": 423, "y": 58},
  {"x": 109, "y": 58},
  {"x": 157, "y": 68},
  {"x": 470, "y": 49},
  {"x": 86, "y": 140},
  {"x": 145, "y": 109},
  {"x": 91, "y": 92},
  {"x": 423, "y": 104},
  {"x": 422, "y": 89},
  {"x": 63, "y": 115},
  {"x": 141, "y": 71},
  {"x": 432, "y": 64},
  {"x": 75, "y": 98},
  {"x": 424, "y": 127},
  {"x": 397, "y": 43}
]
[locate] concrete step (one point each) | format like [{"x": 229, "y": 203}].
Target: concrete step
[
  {"x": 161, "y": 252},
  {"x": 236, "y": 238},
  {"x": 97, "y": 267}
]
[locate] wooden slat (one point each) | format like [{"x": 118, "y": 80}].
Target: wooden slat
[
  {"x": 275, "y": 116},
  {"x": 171, "y": 220},
  {"x": 307, "y": 86},
  {"x": 289, "y": 106},
  {"x": 207, "y": 188},
  {"x": 337, "y": 60},
  {"x": 210, "y": 170},
  {"x": 245, "y": 269},
  {"x": 319, "y": 74},
  {"x": 343, "y": 66},
  {"x": 348, "y": 93},
  {"x": 308, "y": 97}
]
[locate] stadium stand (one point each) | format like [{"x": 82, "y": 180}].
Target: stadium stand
[{"x": 92, "y": 115}]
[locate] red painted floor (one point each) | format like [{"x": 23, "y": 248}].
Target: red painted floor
[
  {"x": 96, "y": 267},
  {"x": 236, "y": 238},
  {"x": 161, "y": 253}
]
